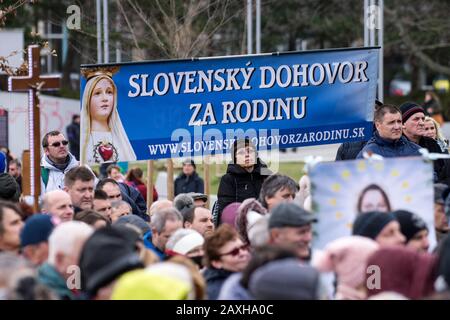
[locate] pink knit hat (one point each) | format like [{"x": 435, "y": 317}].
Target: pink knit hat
[
  {"x": 347, "y": 257},
  {"x": 229, "y": 214}
]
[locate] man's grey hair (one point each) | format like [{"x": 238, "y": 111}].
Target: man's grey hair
[
  {"x": 160, "y": 218},
  {"x": 119, "y": 203},
  {"x": 183, "y": 202},
  {"x": 275, "y": 183}
]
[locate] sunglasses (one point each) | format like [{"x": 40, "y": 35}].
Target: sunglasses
[
  {"x": 57, "y": 144},
  {"x": 236, "y": 251}
]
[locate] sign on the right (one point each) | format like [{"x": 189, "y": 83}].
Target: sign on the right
[{"x": 343, "y": 190}]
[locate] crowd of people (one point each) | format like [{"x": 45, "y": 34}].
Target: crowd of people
[{"x": 94, "y": 237}]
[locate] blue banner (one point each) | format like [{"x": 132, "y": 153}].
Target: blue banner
[{"x": 178, "y": 108}]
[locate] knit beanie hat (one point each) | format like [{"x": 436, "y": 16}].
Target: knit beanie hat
[
  {"x": 229, "y": 214},
  {"x": 183, "y": 203},
  {"x": 9, "y": 189},
  {"x": 410, "y": 223},
  {"x": 107, "y": 254},
  {"x": 184, "y": 240},
  {"x": 285, "y": 279},
  {"x": 347, "y": 257},
  {"x": 371, "y": 223},
  {"x": 37, "y": 229},
  {"x": 408, "y": 109}
]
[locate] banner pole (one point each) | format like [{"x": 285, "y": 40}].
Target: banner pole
[
  {"x": 150, "y": 169},
  {"x": 206, "y": 179},
  {"x": 170, "y": 191}
]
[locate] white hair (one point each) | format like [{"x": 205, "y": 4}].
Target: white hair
[
  {"x": 64, "y": 238},
  {"x": 258, "y": 234}
]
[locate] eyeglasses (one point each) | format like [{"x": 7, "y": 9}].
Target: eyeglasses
[
  {"x": 57, "y": 144},
  {"x": 243, "y": 151},
  {"x": 235, "y": 251}
]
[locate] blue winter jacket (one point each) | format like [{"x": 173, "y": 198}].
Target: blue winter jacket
[{"x": 389, "y": 149}]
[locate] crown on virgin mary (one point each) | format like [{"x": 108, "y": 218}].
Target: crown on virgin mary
[{"x": 88, "y": 73}]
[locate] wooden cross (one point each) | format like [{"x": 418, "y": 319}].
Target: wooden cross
[{"x": 34, "y": 83}]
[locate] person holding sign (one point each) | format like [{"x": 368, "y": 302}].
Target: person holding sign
[{"x": 103, "y": 137}]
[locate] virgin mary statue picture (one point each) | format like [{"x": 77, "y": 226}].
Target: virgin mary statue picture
[{"x": 103, "y": 137}]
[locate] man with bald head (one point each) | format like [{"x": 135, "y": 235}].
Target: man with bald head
[{"x": 58, "y": 203}]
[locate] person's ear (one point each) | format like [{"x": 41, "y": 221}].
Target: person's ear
[
  {"x": 66, "y": 189},
  {"x": 377, "y": 125},
  {"x": 28, "y": 251},
  {"x": 273, "y": 233},
  {"x": 268, "y": 201},
  {"x": 59, "y": 262}
]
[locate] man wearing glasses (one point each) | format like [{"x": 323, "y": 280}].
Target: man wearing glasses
[{"x": 56, "y": 162}]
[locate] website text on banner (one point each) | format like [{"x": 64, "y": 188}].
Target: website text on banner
[{"x": 179, "y": 108}]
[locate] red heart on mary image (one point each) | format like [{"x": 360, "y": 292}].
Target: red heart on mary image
[{"x": 106, "y": 152}]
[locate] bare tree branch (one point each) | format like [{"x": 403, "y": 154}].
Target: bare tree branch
[
  {"x": 133, "y": 34},
  {"x": 414, "y": 48}
]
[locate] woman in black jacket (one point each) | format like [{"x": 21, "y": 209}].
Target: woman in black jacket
[{"x": 244, "y": 177}]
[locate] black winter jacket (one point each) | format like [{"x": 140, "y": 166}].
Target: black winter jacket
[
  {"x": 238, "y": 184},
  {"x": 186, "y": 184},
  {"x": 349, "y": 150}
]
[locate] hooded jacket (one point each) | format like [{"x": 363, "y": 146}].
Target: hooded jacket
[
  {"x": 389, "y": 149},
  {"x": 238, "y": 184},
  {"x": 55, "y": 176},
  {"x": 48, "y": 276},
  {"x": 135, "y": 199}
]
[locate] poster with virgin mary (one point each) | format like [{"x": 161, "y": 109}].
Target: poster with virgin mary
[
  {"x": 343, "y": 190},
  {"x": 103, "y": 137}
]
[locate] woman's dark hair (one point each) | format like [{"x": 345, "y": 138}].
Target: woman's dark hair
[
  {"x": 135, "y": 175},
  {"x": 371, "y": 187},
  {"x": 90, "y": 217},
  {"x": 221, "y": 236},
  {"x": 264, "y": 255},
  {"x": 7, "y": 205}
]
